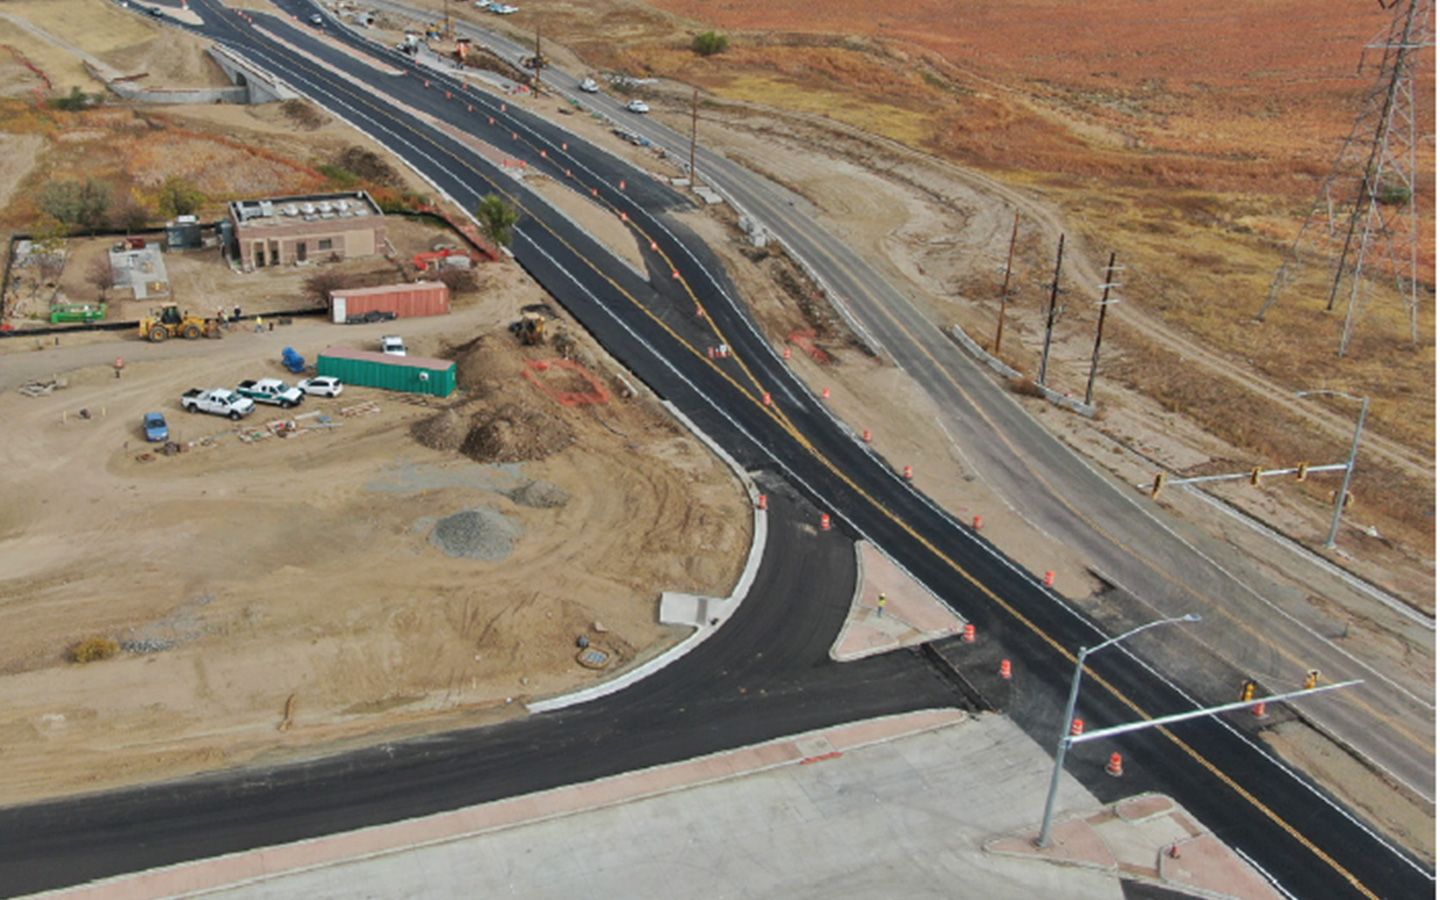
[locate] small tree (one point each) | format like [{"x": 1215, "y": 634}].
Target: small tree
[
  {"x": 318, "y": 285},
  {"x": 49, "y": 240},
  {"x": 459, "y": 281},
  {"x": 128, "y": 214},
  {"x": 179, "y": 197},
  {"x": 100, "y": 275},
  {"x": 710, "y": 43},
  {"x": 94, "y": 204},
  {"x": 497, "y": 218}
]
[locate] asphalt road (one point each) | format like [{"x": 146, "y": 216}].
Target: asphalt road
[{"x": 766, "y": 672}]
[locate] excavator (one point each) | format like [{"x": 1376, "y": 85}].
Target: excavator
[{"x": 168, "y": 322}]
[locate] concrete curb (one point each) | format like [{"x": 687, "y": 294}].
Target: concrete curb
[
  {"x": 1056, "y": 397},
  {"x": 721, "y": 612}
]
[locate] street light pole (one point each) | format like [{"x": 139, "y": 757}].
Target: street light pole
[
  {"x": 1350, "y": 465},
  {"x": 1063, "y": 745}
]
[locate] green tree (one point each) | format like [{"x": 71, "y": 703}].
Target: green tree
[
  {"x": 710, "y": 43},
  {"x": 82, "y": 203},
  {"x": 179, "y": 197},
  {"x": 76, "y": 101},
  {"x": 497, "y": 218}
]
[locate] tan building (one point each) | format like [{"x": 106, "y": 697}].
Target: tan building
[{"x": 286, "y": 230}]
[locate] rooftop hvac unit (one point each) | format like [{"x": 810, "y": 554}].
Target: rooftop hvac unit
[
  {"x": 325, "y": 206},
  {"x": 361, "y": 211},
  {"x": 267, "y": 208},
  {"x": 342, "y": 205},
  {"x": 292, "y": 210},
  {"x": 308, "y": 209}
]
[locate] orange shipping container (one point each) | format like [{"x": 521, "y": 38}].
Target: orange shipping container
[{"x": 422, "y": 298}]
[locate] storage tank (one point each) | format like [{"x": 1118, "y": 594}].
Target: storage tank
[
  {"x": 413, "y": 374},
  {"x": 422, "y": 298}
]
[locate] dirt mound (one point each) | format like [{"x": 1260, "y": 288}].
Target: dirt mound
[
  {"x": 540, "y": 495},
  {"x": 512, "y": 433},
  {"x": 443, "y": 431},
  {"x": 485, "y": 365}
]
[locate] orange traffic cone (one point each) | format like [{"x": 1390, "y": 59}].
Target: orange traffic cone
[
  {"x": 1115, "y": 768},
  {"x": 969, "y": 637},
  {"x": 1077, "y": 727},
  {"x": 824, "y": 521},
  {"x": 1005, "y": 669},
  {"x": 764, "y": 503}
]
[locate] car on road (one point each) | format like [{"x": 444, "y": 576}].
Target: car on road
[
  {"x": 392, "y": 345},
  {"x": 322, "y": 386},
  {"x": 638, "y": 106},
  {"x": 317, "y": 20},
  {"x": 155, "y": 11},
  {"x": 155, "y": 428},
  {"x": 589, "y": 86}
]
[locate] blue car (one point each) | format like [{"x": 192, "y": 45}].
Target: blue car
[{"x": 155, "y": 427}]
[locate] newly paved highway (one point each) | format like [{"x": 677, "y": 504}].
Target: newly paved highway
[{"x": 766, "y": 672}]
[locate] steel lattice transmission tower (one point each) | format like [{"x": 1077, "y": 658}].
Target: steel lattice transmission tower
[{"x": 1362, "y": 227}]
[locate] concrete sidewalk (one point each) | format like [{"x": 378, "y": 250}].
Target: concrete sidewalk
[
  {"x": 929, "y": 805},
  {"x": 912, "y": 615}
]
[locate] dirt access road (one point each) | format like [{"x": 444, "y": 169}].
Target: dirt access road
[{"x": 299, "y": 578}]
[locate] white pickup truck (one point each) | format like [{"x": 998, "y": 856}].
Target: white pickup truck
[
  {"x": 271, "y": 390},
  {"x": 217, "y": 401}
]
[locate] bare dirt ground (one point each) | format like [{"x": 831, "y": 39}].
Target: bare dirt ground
[
  {"x": 942, "y": 231},
  {"x": 242, "y": 575}
]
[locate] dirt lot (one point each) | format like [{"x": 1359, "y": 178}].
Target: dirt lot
[
  {"x": 241, "y": 575},
  {"x": 931, "y": 226}
]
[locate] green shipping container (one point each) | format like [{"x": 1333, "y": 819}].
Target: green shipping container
[{"x": 412, "y": 374}]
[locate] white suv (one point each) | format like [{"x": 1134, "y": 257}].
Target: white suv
[{"x": 392, "y": 345}]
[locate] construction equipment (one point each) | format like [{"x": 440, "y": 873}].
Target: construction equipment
[
  {"x": 530, "y": 328},
  {"x": 168, "y": 322},
  {"x": 529, "y": 61},
  {"x": 423, "y": 261}
]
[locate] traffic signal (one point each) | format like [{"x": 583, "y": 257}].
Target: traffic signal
[
  {"x": 1247, "y": 690},
  {"x": 1159, "y": 485},
  {"x": 1255, "y": 476},
  {"x": 1301, "y": 471}
]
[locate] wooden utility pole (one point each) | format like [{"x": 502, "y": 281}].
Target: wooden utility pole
[
  {"x": 1050, "y": 316},
  {"x": 1105, "y": 302},
  {"x": 538, "y": 61},
  {"x": 1005, "y": 288},
  {"x": 694, "y": 125}
]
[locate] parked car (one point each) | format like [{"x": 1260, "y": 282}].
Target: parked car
[
  {"x": 322, "y": 386},
  {"x": 638, "y": 106},
  {"x": 503, "y": 9},
  {"x": 392, "y": 345},
  {"x": 155, "y": 428},
  {"x": 589, "y": 86}
]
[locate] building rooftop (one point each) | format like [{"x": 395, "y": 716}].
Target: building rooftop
[{"x": 303, "y": 208}]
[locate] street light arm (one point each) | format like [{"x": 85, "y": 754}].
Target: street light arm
[{"x": 1086, "y": 651}]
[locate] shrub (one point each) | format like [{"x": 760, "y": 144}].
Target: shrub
[
  {"x": 93, "y": 649},
  {"x": 710, "y": 43},
  {"x": 76, "y": 101},
  {"x": 1025, "y": 386},
  {"x": 338, "y": 176},
  {"x": 497, "y": 218},
  {"x": 319, "y": 285},
  {"x": 459, "y": 281},
  {"x": 179, "y": 197}
]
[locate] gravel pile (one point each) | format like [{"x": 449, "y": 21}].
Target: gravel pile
[
  {"x": 480, "y": 533},
  {"x": 149, "y": 645},
  {"x": 539, "y": 495}
]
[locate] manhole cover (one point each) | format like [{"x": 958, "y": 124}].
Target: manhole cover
[{"x": 593, "y": 658}]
